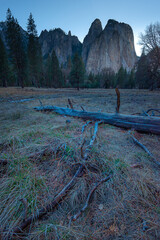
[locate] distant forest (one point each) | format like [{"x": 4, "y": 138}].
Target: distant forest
[{"x": 22, "y": 64}]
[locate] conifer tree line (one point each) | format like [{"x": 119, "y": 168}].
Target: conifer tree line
[{"x": 22, "y": 64}]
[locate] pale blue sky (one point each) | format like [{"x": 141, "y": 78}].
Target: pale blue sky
[{"x": 77, "y": 15}]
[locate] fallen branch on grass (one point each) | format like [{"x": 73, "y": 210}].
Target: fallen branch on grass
[
  {"x": 85, "y": 125},
  {"x": 145, "y": 149},
  {"x": 138, "y": 123},
  {"x": 74, "y": 218},
  {"x": 83, "y": 109},
  {"x": 153, "y": 110},
  {"x": 53, "y": 204},
  {"x": 49, "y": 207},
  {"x": 70, "y": 103}
]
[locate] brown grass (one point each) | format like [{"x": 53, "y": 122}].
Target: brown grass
[{"x": 43, "y": 151}]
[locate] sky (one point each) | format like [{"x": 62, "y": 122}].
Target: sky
[{"x": 77, "y": 15}]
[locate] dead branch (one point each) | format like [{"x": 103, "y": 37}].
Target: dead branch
[
  {"x": 41, "y": 103},
  {"x": 82, "y": 154},
  {"x": 118, "y": 100},
  {"x": 83, "y": 109},
  {"x": 53, "y": 204},
  {"x": 138, "y": 123},
  {"x": 49, "y": 207},
  {"x": 88, "y": 149},
  {"x": 74, "y": 218},
  {"x": 70, "y": 103},
  {"x": 153, "y": 109},
  {"x": 85, "y": 125},
  {"x": 145, "y": 149},
  {"x": 25, "y": 204}
]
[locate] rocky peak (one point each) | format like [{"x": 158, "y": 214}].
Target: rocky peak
[
  {"x": 111, "y": 49},
  {"x": 63, "y": 44},
  {"x": 95, "y": 29},
  {"x": 93, "y": 33}
]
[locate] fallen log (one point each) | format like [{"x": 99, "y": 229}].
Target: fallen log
[{"x": 138, "y": 123}]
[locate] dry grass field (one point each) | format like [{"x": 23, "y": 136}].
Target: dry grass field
[{"x": 43, "y": 151}]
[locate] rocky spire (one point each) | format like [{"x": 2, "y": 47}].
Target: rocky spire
[
  {"x": 93, "y": 33},
  {"x": 111, "y": 49}
]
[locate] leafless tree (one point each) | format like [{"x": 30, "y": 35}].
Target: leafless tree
[{"x": 150, "y": 41}]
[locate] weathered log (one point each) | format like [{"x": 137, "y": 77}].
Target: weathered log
[{"x": 138, "y": 123}]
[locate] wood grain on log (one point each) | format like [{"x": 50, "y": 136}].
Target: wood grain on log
[{"x": 138, "y": 123}]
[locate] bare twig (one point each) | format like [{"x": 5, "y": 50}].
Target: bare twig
[
  {"x": 153, "y": 109},
  {"x": 74, "y": 218},
  {"x": 145, "y": 149},
  {"x": 83, "y": 108},
  {"x": 88, "y": 149},
  {"x": 146, "y": 114},
  {"x": 70, "y": 103},
  {"x": 41, "y": 103},
  {"x": 84, "y": 126}
]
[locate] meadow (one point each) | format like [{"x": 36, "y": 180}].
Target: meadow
[{"x": 40, "y": 153}]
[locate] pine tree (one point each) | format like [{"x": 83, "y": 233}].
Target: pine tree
[
  {"x": 16, "y": 46},
  {"x": 142, "y": 75},
  {"x": 122, "y": 78},
  {"x": 57, "y": 80},
  {"x": 4, "y": 69},
  {"x": 48, "y": 72},
  {"x": 131, "y": 81},
  {"x": 54, "y": 76},
  {"x": 77, "y": 72},
  {"x": 35, "y": 67}
]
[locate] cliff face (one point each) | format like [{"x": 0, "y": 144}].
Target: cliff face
[
  {"x": 94, "y": 32},
  {"x": 110, "y": 48},
  {"x": 64, "y": 45}
]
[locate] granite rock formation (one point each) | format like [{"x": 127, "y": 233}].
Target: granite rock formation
[
  {"x": 102, "y": 49},
  {"x": 110, "y": 48},
  {"x": 64, "y": 45}
]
